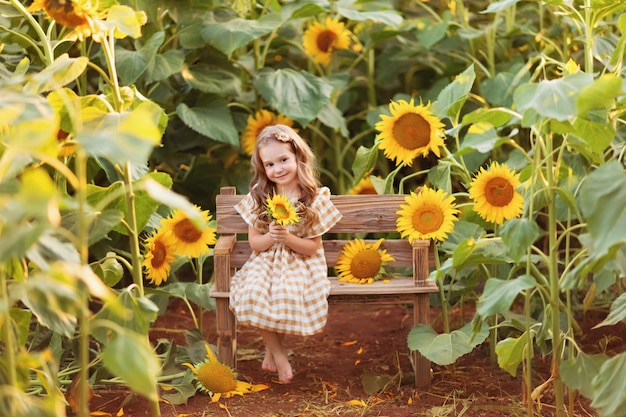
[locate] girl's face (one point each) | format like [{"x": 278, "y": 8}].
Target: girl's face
[{"x": 281, "y": 165}]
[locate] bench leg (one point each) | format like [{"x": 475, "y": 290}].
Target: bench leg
[
  {"x": 226, "y": 333},
  {"x": 421, "y": 314}
]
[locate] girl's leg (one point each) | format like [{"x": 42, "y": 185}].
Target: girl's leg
[
  {"x": 268, "y": 360},
  {"x": 274, "y": 347}
]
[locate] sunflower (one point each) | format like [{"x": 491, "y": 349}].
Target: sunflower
[
  {"x": 190, "y": 239},
  {"x": 71, "y": 13},
  {"x": 410, "y": 131},
  {"x": 217, "y": 379},
  {"x": 256, "y": 123},
  {"x": 429, "y": 214},
  {"x": 362, "y": 263},
  {"x": 281, "y": 210},
  {"x": 494, "y": 195},
  {"x": 321, "y": 40},
  {"x": 365, "y": 186},
  {"x": 159, "y": 255}
]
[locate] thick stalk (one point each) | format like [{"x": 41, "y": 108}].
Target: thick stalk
[
  {"x": 555, "y": 290},
  {"x": 7, "y": 330},
  {"x": 588, "y": 37},
  {"x": 133, "y": 234},
  {"x": 83, "y": 250}
]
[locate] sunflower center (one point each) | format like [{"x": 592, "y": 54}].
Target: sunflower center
[
  {"x": 325, "y": 40},
  {"x": 281, "y": 212},
  {"x": 216, "y": 377},
  {"x": 499, "y": 192},
  {"x": 159, "y": 254},
  {"x": 63, "y": 12},
  {"x": 187, "y": 232},
  {"x": 427, "y": 220},
  {"x": 411, "y": 131},
  {"x": 365, "y": 264}
]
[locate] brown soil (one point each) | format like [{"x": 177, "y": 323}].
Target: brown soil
[{"x": 328, "y": 369}]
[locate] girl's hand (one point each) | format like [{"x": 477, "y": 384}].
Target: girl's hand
[{"x": 278, "y": 233}]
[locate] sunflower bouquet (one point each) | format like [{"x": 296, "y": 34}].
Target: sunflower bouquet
[
  {"x": 281, "y": 210},
  {"x": 361, "y": 262}
]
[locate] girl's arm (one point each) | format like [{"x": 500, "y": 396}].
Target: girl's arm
[{"x": 260, "y": 242}]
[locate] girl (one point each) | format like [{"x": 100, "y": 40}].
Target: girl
[{"x": 283, "y": 287}]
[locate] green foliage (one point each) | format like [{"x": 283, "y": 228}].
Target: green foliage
[{"x": 150, "y": 114}]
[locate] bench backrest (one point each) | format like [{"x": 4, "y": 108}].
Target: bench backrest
[{"x": 362, "y": 214}]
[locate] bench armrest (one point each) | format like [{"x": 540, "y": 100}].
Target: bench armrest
[{"x": 221, "y": 260}]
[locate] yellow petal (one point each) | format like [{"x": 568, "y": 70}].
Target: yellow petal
[
  {"x": 357, "y": 402},
  {"x": 120, "y": 413},
  {"x": 99, "y": 413}
]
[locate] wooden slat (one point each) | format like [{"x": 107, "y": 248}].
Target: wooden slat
[
  {"x": 400, "y": 249},
  {"x": 372, "y": 213},
  {"x": 399, "y": 286}
]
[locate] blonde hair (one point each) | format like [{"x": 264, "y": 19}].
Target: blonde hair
[{"x": 308, "y": 177}]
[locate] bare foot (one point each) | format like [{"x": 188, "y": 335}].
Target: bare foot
[
  {"x": 268, "y": 362},
  {"x": 285, "y": 373}
]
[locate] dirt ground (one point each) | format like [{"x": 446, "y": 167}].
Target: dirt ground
[{"x": 358, "y": 340}]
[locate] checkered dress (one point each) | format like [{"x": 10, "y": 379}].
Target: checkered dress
[{"x": 280, "y": 290}]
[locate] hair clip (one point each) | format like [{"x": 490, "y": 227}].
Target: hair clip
[{"x": 282, "y": 136}]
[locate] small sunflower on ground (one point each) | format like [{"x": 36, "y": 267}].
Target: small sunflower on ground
[
  {"x": 217, "y": 379},
  {"x": 365, "y": 186},
  {"x": 190, "y": 239},
  {"x": 429, "y": 214},
  {"x": 281, "y": 210},
  {"x": 258, "y": 122},
  {"x": 321, "y": 40},
  {"x": 159, "y": 254},
  {"x": 362, "y": 263},
  {"x": 410, "y": 131},
  {"x": 494, "y": 195}
]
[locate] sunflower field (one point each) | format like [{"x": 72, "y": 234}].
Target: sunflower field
[{"x": 502, "y": 121}]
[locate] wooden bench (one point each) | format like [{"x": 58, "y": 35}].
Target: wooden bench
[{"x": 362, "y": 214}]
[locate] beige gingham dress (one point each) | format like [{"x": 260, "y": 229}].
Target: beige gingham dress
[{"x": 281, "y": 290}]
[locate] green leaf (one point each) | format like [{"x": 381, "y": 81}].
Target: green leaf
[
  {"x": 183, "y": 390},
  {"x": 511, "y": 351},
  {"x": 145, "y": 205},
  {"x": 446, "y": 348},
  {"x": 364, "y": 162},
  {"x": 100, "y": 223},
  {"x": 130, "y": 357},
  {"x": 432, "y": 32},
  {"x": 122, "y": 137},
  {"x": 17, "y": 239},
  {"x": 496, "y": 117},
  {"x": 166, "y": 64},
  {"x": 32, "y": 120},
  {"x": 519, "y": 235},
  {"x": 213, "y": 120},
  {"x": 597, "y": 136},
  {"x": 600, "y": 94},
  {"x": 110, "y": 270},
  {"x": 60, "y": 73},
  {"x": 22, "y": 319},
  {"x": 500, "y": 5},
  {"x": 131, "y": 64},
  {"x": 231, "y": 35},
  {"x": 332, "y": 117},
  {"x": 453, "y": 96},
  {"x": 477, "y": 252},
  {"x": 498, "y": 295},
  {"x": 440, "y": 176},
  {"x": 617, "y": 313},
  {"x": 213, "y": 79},
  {"x": 389, "y": 17},
  {"x": 128, "y": 311},
  {"x": 298, "y": 95},
  {"x": 609, "y": 386},
  {"x": 579, "y": 372},
  {"x": 555, "y": 99},
  {"x": 602, "y": 201}
]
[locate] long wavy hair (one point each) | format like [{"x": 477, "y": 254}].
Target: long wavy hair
[{"x": 308, "y": 177}]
